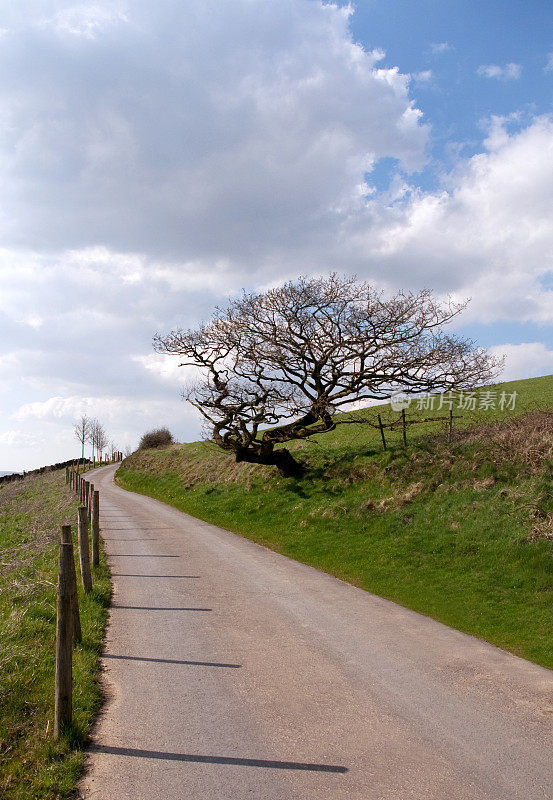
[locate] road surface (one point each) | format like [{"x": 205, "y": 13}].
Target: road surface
[{"x": 234, "y": 672}]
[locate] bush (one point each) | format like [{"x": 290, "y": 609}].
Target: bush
[{"x": 160, "y": 437}]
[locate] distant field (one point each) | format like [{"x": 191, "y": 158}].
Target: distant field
[
  {"x": 460, "y": 531},
  {"x": 32, "y": 766}
]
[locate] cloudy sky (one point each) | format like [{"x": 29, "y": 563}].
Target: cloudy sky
[{"x": 155, "y": 158}]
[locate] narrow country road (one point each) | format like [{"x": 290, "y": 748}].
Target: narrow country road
[{"x": 233, "y": 672}]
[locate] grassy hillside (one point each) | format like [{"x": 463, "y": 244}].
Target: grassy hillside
[
  {"x": 461, "y": 530},
  {"x": 32, "y": 765}
]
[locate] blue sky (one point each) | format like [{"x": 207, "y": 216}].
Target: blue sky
[
  {"x": 454, "y": 39},
  {"x": 451, "y": 41},
  {"x": 155, "y": 158}
]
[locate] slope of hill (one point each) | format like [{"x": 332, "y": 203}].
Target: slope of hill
[
  {"x": 461, "y": 531},
  {"x": 32, "y": 765}
]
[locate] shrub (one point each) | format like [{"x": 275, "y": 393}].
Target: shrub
[{"x": 160, "y": 437}]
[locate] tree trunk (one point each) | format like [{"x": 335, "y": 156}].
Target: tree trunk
[{"x": 282, "y": 459}]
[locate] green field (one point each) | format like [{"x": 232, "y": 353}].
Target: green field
[
  {"x": 461, "y": 531},
  {"x": 32, "y": 765}
]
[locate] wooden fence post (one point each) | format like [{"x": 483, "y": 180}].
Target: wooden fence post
[
  {"x": 382, "y": 432},
  {"x": 95, "y": 526},
  {"x": 450, "y": 425},
  {"x": 66, "y": 538},
  {"x": 84, "y": 555},
  {"x": 86, "y": 496},
  {"x": 63, "y": 703},
  {"x": 404, "y": 426},
  {"x": 90, "y": 499}
]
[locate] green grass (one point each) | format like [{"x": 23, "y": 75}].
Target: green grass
[
  {"x": 458, "y": 531},
  {"x": 32, "y": 765}
]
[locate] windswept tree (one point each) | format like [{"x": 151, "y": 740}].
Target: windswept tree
[
  {"x": 81, "y": 430},
  {"x": 306, "y": 349}
]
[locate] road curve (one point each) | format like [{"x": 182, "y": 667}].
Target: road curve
[{"x": 234, "y": 672}]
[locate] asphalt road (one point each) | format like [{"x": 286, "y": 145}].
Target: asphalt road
[{"x": 234, "y": 672}]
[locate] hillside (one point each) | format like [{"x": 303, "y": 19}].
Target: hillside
[
  {"x": 32, "y": 765},
  {"x": 461, "y": 531}
]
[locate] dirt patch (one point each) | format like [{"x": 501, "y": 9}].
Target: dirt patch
[{"x": 399, "y": 499}]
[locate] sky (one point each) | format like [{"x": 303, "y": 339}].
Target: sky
[{"x": 156, "y": 158}]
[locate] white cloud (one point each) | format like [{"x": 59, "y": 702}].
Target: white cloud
[
  {"x": 9, "y": 365},
  {"x": 66, "y": 408},
  {"x": 19, "y": 439},
  {"x": 487, "y": 234},
  {"x": 251, "y": 117},
  {"x": 549, "y": 63},
  {"x": 167, "y": 368},
  {"x": 109, "y": 409},
  {"x": 526, "y": 360},
  {"x": 422, "y": 77},
  {"x": 86, "y": 20},
  {"x": 510, "y": 71},
  {"x": 441, "y": 47}
]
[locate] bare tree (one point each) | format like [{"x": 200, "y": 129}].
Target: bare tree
[
  {"x": 81, "y": 430},
  {"x": 306, "y": 349},
  {"x": 91, "y": 436},
  {"x": 101, "y": 439},
  {"x": 97, "y": 437}
]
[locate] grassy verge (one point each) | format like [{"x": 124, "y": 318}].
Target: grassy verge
[
  {"x": 32, "y": 765},
  {"x": 459, "y": 531}
]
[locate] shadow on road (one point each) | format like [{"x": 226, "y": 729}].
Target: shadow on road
[
  {"x": 239, "y": 762},
  {"x": 139, "y": 555},
  {"x": 158, "y": 608},
  {"x": 173, "y": 661},
  {"x": 136, "y": 575}
]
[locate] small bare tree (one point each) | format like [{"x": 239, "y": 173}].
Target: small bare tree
[
  {"x": 97, "y": 437},
  {"x": 306, "y": 349},
  {"x": 81, "y": 430},
  {"x": 102, "y": 440},
  {"x": 91, "y": 436}
]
